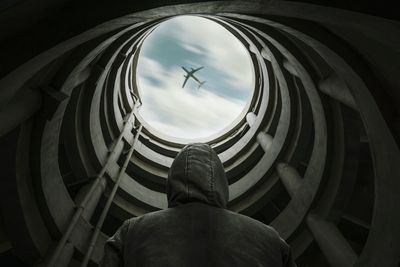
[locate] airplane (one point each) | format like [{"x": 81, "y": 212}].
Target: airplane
[{"x": 190, "y": 74}]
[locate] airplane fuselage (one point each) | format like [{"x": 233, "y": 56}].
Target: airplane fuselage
[{"x": 190, "y": 74}]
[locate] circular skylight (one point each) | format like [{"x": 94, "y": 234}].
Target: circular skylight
[{"x": 195, "y": 78}]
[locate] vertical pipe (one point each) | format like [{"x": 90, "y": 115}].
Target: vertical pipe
[
  {"x": 80, "y": 208},
  {"x": 91, "y": 205},
  {"x": 109, "y": 202}
]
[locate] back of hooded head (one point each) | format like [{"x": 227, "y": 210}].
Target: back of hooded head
[{"x": 197, "y": 175}]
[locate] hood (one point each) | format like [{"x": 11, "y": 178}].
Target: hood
[{"x": 197, "y": 175}]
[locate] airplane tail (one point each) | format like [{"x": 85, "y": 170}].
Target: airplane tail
[{"x": 200, "y": 84}]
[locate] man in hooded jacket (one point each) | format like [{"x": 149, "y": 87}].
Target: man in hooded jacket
[{"x": 196, "y": 229}]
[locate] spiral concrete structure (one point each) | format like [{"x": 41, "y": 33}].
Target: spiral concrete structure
[{"x": 315, "y": 153}]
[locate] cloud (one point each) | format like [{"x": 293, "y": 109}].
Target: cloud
[
  {"x": 193, "y": 48},
  {"x": 221, "y": 49},
  {"x": 190, "y": 113},
  {"x": 185, "y": 113}
]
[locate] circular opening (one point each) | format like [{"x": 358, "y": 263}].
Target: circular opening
[{"x": 195, "y": 79}]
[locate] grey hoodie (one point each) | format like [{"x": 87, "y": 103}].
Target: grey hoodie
[{"x": 196, "y": 229}]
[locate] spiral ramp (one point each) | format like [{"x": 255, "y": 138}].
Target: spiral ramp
[{"x": 315, "y": 155}]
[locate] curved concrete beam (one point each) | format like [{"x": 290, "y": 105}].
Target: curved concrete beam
[{"x": 290, "y": 178}]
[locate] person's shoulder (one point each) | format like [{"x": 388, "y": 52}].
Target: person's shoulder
[
  {"x": 267, "y": 229},
  {"x": 146, "y": 216}
]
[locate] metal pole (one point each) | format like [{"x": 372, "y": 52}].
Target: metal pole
[
  {"x": 86, "y": 199},
  {"x": 109, "y": 202}
]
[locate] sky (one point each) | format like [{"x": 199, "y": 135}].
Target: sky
[{"x": 192, "y": 113}]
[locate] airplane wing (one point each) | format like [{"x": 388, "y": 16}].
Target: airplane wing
[
  {"x": 194, "y": 77},
  {"x": 184, "y": 82},
  {"x": 193, "y": 71},
  {"x": 191, "y": 74},
  {"x": 185, "y": 70}
]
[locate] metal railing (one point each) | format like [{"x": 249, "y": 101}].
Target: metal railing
[
  {"x": 109, "y": 202},
  {"x": 97, "y": 182}
]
